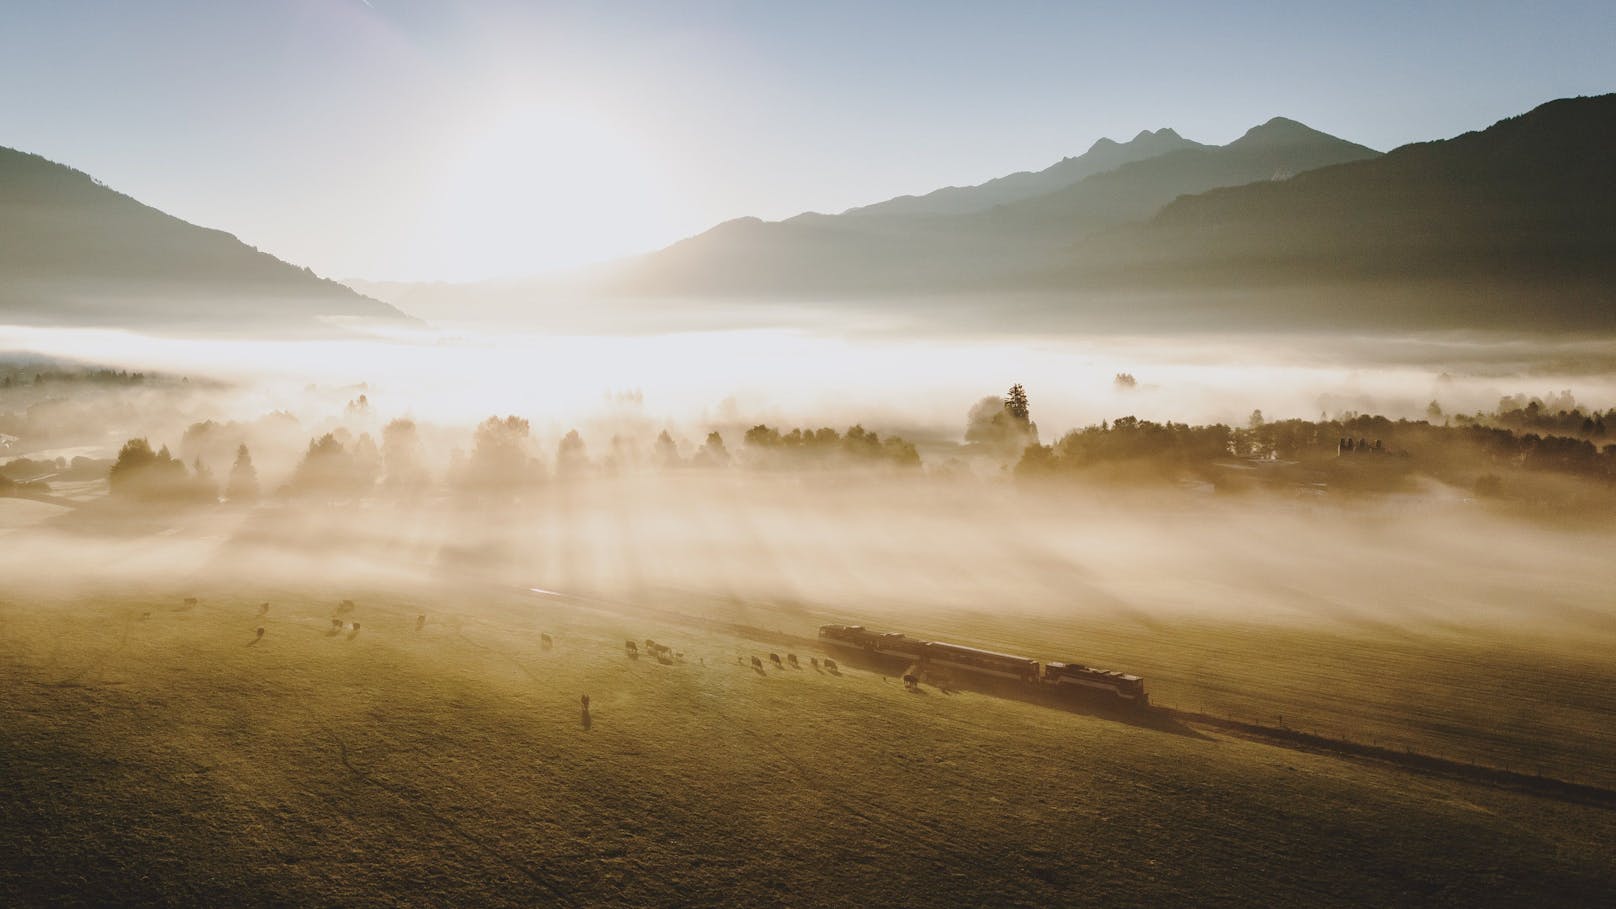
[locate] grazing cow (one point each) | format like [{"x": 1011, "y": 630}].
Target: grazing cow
[
  {"x": 586, "y": 702},
  {"x": 814, "y": 661},
  {"x": 545, "y": 641},
  {"x": 679, "y": 655},
  {"x": 792, "y": 659},
  {"x": 355, "y": 629},
  {"x": 420, "y": 622},
  {"x": 336, "y": 624},
  {"x": 650, "y": 645},
  {"x": 260, "y": 631},
  {"x": 910, "y": 681},
  {"x": 830, "y": 665},
  {"x": 775, "y": 659},
  {"x": 190, "y": 601},
  {"x": 633, "y": 650},
  {"x": 757, "y": 663}
]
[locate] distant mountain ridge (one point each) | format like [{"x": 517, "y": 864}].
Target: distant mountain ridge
[
  {"x": 1513, "y": 224},
  {"x": 1103, "y": 155},
  {"x": 1136, "y": 190},
  {"x": 73, "y": 251},
  {"x": 873, "y": 250}
]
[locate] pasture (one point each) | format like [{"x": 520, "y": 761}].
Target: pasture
[{"x": 160, "y": 753}]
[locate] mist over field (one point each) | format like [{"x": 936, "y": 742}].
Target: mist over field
[
  {"x": 923, "y": 384},
  {"x": 957, "y": 529}
]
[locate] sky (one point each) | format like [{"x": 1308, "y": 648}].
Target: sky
[{"x": 416, "y": 140}]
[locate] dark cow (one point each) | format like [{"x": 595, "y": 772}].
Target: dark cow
[
  {"x": 775, "y": 659},
  {"x": 420, "y": 622},
  {"x": 545, "y": 641},
  {"x": 632, "y": 649},
  {"x": 814, "y": 661},
  {"x": 792, "y": 659},
  {"x": 757, "y": 663},
  {"x": 830, "y": 665}
]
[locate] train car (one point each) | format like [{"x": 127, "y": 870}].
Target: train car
[
  {"x": 900, "y": 646},
  {"x": 889, "y": 644},
  {"x": 981, "y": 662},
  {"x": 847, "y": 635},
  {"x": 1076, "y": 678}
]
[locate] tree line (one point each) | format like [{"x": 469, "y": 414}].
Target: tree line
[
  {"x": 1354, "y": 450},
  {"x": 500, "y": 463}
]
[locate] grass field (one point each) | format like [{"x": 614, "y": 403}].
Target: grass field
[
  {"x": 1542, "y": 707},
  {"x": 169, "y": 758}
]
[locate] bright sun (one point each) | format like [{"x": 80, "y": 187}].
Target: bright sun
[{"x": 547, "y": 186}]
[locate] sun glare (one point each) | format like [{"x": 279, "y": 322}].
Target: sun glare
[{"x": 548, "y": 185}]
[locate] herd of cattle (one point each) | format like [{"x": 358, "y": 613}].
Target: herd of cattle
[
  {"x": 829, "y": 665},
  {"x": 662, "y": 653}
]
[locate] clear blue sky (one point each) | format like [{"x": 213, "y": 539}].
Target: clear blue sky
[{"x": 419, "y": 140}]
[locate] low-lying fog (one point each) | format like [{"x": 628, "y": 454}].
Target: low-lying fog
[
  {"x": 843, "y": 540},
  {"x": 865, "y": 548},
  {"x": 919, "y": 388}
]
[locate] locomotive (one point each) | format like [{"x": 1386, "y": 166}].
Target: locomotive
[{"x": 1055, "y": 678}]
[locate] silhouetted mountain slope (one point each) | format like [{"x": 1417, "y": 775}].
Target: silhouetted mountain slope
[
  {"x": 1136, "y": 191},
  {"x": 1512, "y": 224},
  {"x": 859, "y": 254},
  {"x": 1104, "y": 155},
  {"x": 75, "y": 252}
]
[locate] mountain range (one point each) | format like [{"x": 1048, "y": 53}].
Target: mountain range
[
  {"x": 975, "y": 245},
  {"x": 1512, "y": 226},
  {"x": 1104, "y": 155},
  {"x": 75, "y": 252}
]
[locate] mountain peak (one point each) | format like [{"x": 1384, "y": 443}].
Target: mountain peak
[
  {"x": 1164, "y": 138},
  {"x": 1280, "y": 130}
]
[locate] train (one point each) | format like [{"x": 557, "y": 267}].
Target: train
[{"x": 1054, "y": 677}]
